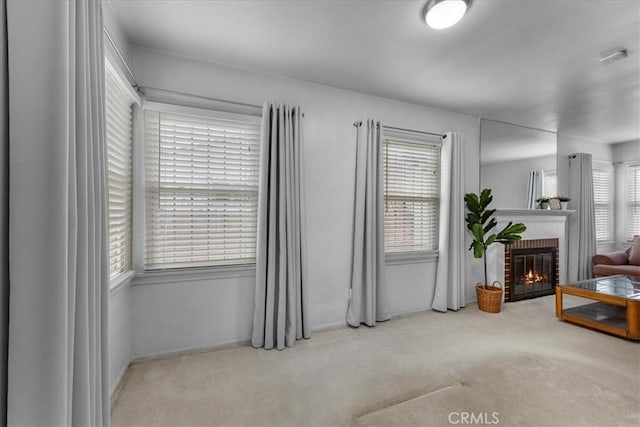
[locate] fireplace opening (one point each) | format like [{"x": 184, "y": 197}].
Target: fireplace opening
[
  {"x": 531, "y": 269},
  {"x": 532, "y": 273}
]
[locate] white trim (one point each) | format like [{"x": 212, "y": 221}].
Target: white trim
[
  {"x": 121, "y": 79},
  {"x": 534, "y": 212},
  {"x": 120, "y": 282},
  {"x": 396, "y": 258},
  {"x": 138, "y": 220},
  {"x": 115, "y": 387},
  {"x": 163, "y": 107},
  {"x": 412, "y": 137},
  {"x": 193, "y": 350},
  {"x": 191, "y": 274}
]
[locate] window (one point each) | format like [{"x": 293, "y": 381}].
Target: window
[
  {"x": 550, "y": 183},
  {"x": 603, "y": 200},
  {"x": 633, "y": 201},
  {"x": 201, "y": 188},
  {"x": 119, "y": 133},
  {"x": 411, "y": 195}
]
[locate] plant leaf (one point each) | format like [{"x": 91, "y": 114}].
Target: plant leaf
[{"x": 478, "y": 232}]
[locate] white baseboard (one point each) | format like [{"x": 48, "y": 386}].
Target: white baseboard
[
  {"x": 234, "y": 343},
  {"x": 190, "y": 350},
  {"x": 117, "y": 384}
]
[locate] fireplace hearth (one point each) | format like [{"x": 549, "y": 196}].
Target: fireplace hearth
[{"x": 531, "y": 269}]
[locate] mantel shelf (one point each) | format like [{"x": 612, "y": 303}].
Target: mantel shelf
[{"x": 533, "y": 212}]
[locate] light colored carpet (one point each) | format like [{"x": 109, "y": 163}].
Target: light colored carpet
[{"x": 427, "y": 369}]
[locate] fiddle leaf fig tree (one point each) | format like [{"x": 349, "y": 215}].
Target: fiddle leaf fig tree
[{"x": 480, "y": 222}]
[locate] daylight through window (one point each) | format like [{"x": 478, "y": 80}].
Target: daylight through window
[
  {"x": 119, "y": 134},
  {"x": 411, "y": 195},
  {"x": 201, "y": 189}
]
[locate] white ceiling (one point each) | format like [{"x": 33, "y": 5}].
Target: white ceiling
[{"x": 533, "y": 63}]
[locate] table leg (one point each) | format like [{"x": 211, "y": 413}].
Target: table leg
[{"x": 558, "y": 302}]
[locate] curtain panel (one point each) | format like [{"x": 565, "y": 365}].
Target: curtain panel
[
  {"x": 4, "y": 212},
  {"x": 368, "y": 302},
  {"x": 281, "y": 309},
  {"x": 582, "y": 224},
  {"x": 534, "y": 188},
  {"x": 449, "y": 290},
  {"x": 58, "y": 236}
]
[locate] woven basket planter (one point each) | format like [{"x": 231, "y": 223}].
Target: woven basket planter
[{"x": 490, "y": 297}]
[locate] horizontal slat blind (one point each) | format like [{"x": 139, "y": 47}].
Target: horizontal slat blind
[
  {"x": 633, "y": 201},
  {"x": 411, "y": 195},
  {"x": 603, "y": 201},
  {"x": 201, "y": 190},
  {"x": 550, "y": 183},
  {"x": 119, "y": 132}
]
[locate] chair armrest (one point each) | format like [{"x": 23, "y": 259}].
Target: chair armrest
[{"x": 611, "y": 258}]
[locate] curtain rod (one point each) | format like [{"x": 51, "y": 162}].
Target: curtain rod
[
  {"x": 414, "y": 131},
  {"x": 126, "y": 66},
  {"x": 208, "y": 98},
  {"x": 359, "y": 123}
]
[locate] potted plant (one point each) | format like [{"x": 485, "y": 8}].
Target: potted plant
[
  {"x": 480, "y": 222},
  {"x": 564, "y": 200},
  {"x": 543, "y": 202}
]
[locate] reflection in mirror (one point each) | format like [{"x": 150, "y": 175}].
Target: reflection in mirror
[{"x": 518, "y": 164}]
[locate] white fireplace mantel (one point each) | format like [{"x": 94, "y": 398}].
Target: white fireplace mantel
[
  {"x": 533, "y": 212},
  {"x": 541, "y": 224}
]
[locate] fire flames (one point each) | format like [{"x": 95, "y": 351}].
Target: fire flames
[{"x": 533, "y": 277}]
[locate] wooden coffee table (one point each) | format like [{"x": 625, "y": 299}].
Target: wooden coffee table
[{"x": 608, "y": 304}]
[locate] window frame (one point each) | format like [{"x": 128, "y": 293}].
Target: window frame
[
  {"x": 417, "y": 138},
  {"x": 549, "y": 175},
  {"x": 631, "y": 168},
  {"x": 128, "y": 91},
  {"x": 600, "y": 165},
  {"x": 159, "y": 274}
]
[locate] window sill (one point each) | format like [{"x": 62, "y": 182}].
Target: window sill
[
  {"x": 193, "y": 274},
  {"x": 121, "y": 281},
  {"x": 410, "y": 258}
]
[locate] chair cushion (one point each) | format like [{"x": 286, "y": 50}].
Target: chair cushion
[
  {"x": 611, "y": 270},
  {"x": 611, "y": 258},
  {"x": 634, "y": 254}
]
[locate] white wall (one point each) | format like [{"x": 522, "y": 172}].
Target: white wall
[
  {"x": 508, "y": 180},
  {"x": 119, "y": 334},
  {"x": 209, "y": 311}
]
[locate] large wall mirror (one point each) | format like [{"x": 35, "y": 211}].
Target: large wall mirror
[{"x": 509, "y": 154}]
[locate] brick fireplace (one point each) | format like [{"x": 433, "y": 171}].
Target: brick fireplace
[
  {"x": 531, "y": 268},
  {"x": 545, "y": 229}
]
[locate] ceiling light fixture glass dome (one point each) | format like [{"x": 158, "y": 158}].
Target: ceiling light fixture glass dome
[{"x": 441, "y": 14}]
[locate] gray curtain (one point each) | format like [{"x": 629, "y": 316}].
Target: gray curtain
[
  {"x": 57, "y": 215},
  {"x": 534, "y": 188},
  {"x": 4, "y": 213},
  {"x": 280, "y": 314},
  {"x": 582, "y": 224},
  {"x": 449, "y": 289},
  {"x": 368, "y": 300}
]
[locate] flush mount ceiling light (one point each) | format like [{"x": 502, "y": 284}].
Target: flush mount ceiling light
[
  {"x": 612, "y": 56},
  {"x": 445, "y": 13}
]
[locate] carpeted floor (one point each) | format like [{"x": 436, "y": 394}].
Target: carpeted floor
[{"x": 519, "y": 367}]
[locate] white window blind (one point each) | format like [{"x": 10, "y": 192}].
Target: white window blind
[
  {"x": 550, "y": 183},
  {"x": 201, "y": 190},
  {"x": 411, "y": 196},
  {"x": 119, "y": 133},
  {"x": 633, "y": 201},
  {"x": 603, "y": 200}
]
